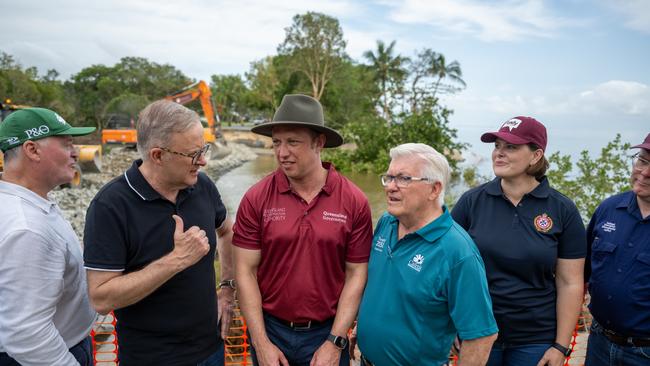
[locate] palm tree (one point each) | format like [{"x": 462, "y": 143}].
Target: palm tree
[
  {"x": 440, "y": 70},
  {"x": 389, "y": 72}
]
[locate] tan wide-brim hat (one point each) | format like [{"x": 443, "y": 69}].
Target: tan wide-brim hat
[{"x": 301, "y": 111}]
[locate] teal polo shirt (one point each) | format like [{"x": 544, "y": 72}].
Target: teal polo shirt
[{"x": 422, "y": 290}]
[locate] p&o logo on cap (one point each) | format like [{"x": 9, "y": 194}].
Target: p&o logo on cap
[
  {"x": 37, "y": 131},
  {"x": 511, "y": 123}
]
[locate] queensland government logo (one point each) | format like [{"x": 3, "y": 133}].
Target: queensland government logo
[
  {"x": 543, "y": 223},
  {"x": 416, "y": 262}
]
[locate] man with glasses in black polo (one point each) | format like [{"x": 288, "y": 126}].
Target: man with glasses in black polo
[
  {"x": 150, "y": 240},
  {"x": 618, "y": 271}
]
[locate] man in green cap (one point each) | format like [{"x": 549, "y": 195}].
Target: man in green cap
[{"x": 45, "y": 315}]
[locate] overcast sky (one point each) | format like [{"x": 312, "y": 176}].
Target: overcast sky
[{"x": 580, "y": 67}]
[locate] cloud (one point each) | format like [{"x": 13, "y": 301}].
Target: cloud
[
  {"x": 636, "y": 12},
  {"x": 611, "y": 98},
  {"x": 494, "y": 21},
  {"x": 199, "y": 37}
]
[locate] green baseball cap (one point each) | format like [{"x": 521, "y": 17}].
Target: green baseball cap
[{"x": 34, "y": 124}]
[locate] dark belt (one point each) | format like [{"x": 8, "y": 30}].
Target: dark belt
[
  {"x": 625, "y": 341},
  {"x": 301, "y": 325},
  {"x": 365, "y": 361}
]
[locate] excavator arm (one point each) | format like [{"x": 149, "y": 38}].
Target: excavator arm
[{"x": 201, "y": 91}]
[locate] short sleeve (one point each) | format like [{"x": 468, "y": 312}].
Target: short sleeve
[
  {"x": 247, "y": 228},
  {"x": 31, "y": 284},
  {"x": 104, "y": 238},
  {"x": 572, "y": 242},
  {"x": 470, "y": 305},
  {"x": 358, "y": 250},
  {"x": 220, "y": 212},
  {"x": 460, "y": 212},
  {"x": 590, "y": 235}
]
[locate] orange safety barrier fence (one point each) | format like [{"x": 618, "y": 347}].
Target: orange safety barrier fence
[
  {"x": 236, "y": 343},
  {"x": 104, "y": 341},
  {"x": 578, "y": 343}
]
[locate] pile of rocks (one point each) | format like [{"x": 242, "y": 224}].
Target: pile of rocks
[{"x": 74, "y": 201}]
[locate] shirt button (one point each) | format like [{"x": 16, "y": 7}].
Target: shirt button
[
  {"x": 630, "y": 245},
  {"x": 306, "y": 212},
  {"x": 619, "y": 270},
  {"x": 609, "y": 297},
  {"x": 516, "y": 215}
]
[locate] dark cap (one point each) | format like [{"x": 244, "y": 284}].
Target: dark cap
[
  {"x": 644, "y": 145},
  {"x": 34, "y": 124},
  {"x": 519, "y": 130}
]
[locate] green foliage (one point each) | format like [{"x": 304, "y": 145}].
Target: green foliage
[
  {"x": 231, "y": 95},
  {"x": 374, "y": 137},
  {"x": 316, "y": 47},
  {"x": 128, "y": 104},
  {"x": 595, "y": 179}
]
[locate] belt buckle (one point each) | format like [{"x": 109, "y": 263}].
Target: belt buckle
[{"x": 299, "y": 327}]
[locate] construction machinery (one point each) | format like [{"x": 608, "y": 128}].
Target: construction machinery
[
  {"x": 120, "y": 130},
  {"x": 90, "y": 156},
  {"x": 212, "y": 125},
  {"x": 123, "y": 131}
]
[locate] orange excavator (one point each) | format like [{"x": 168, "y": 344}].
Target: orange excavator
[
  {"x": 125, "y": 133},
  {"x": 201, "y": 91}
]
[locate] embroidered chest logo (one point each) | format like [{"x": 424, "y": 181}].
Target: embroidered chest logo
[
  {"x": 379, "y": 245},
  {"x": 416, "y": 262},
  {"x": 543, "y": 223},
  {"x": 275, "y": 214},
  {"x": 512, "y": 124},
  {"x": 338, "y": 217},
  {"x": 608, "y": 227}
]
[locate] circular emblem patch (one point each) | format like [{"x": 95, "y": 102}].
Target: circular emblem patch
[{"x": 543, "y": 223}]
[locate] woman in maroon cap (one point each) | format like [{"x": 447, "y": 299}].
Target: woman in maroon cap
[{"x": 532, "y": 240}]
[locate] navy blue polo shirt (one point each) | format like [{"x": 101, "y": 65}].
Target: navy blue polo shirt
[
  {"x": 520, "y": 246},
  {"x": 129, "y": 225},
  {"x": 619, "y": 270}
]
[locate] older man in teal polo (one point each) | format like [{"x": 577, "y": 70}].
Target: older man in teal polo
[{"x": 426, "y": 280}]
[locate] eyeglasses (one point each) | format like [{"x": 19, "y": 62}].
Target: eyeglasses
[
  {"x": 640, "y": 163},
  {"x": 195, "y": 155},
  {"x": 401, "y": 180}
]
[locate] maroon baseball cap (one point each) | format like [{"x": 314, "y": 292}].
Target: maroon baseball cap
[
  {"x": 644, "y": 145},
  {"x": 519, "y": 130}
]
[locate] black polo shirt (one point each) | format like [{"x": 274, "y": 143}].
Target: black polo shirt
[
  {"x": 129, "y": 225},
  {"x": 520, "y": 246}
]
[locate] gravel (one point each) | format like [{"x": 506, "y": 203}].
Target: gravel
[{"x": 74, "y": 201}]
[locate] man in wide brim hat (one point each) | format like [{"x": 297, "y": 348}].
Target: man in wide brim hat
[
  {"x": 302, "y": 242},
  {"x": 303, "y": 111}
]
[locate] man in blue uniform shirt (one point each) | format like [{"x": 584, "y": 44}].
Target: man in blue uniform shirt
[
  {"x": 619, "y": 272},
  {"x": 426, "y": 279}
]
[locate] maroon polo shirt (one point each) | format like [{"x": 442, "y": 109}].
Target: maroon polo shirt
[{"x": 304, "y": 245}]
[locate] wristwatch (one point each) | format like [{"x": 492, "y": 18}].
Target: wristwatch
[
  {"x": 228, "y": 283},
  {"x": 565, "y": 351},
  {"x": 339, "y": 342}
]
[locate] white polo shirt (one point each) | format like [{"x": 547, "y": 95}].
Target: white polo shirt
[{"x": 44, "y": 306}]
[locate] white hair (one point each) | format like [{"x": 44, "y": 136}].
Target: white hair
[{"x": 435, "y": 167}]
